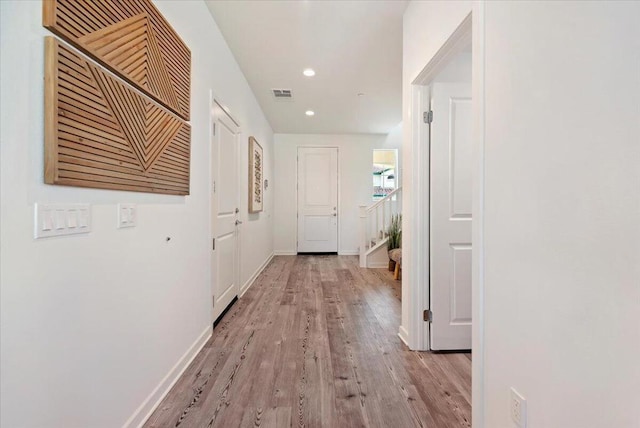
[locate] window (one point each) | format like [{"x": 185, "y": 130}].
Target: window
[{"x": 385, "y": 166}]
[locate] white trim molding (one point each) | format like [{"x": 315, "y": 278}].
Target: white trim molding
[
  {"x": 255, "y": 275},
  {"x": 284, "y": 253},
  {"x": 149, "y": 405},
  {"x": 459, "y": 40},
  {"x": 403, "y": 335},
  {"x": 478, "y": 180}
]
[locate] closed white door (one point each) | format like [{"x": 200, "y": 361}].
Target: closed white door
[
  {"x": 224, "y": 163},
  {"x": 450, "y": 266},
  {"x": 317, "y": 200}
]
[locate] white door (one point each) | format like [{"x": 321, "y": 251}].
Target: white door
[
  {"x": 224, "y": 164},
  {"x": 317, "y": 200},
  {"x": 450, "y": 265}
]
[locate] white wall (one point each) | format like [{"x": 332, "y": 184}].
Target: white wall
[
  {"x": 91, "y": 324},
  {"x": 561, "y": 204},
  {"x": 562, "y": 211},
  {"x": 355, "y": 158}
]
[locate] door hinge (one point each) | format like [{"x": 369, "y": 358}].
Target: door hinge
[
  {"x": 214, "y": 187},
  {"x": 213, "y": 303},
  {"x": 427, "y": 315},
  {"x": 214, "y": 128},
  {"x": 213, "y": 246},
  {"x": 427, "y": 116}
]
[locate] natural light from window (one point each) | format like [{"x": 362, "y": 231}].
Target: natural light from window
[{"x": 385, "y": 166}]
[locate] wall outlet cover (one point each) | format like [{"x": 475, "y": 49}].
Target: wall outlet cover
[{"x": 518, "y": 408}]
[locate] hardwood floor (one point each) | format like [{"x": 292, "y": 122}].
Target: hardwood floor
[{"x": 314, "y": 343}]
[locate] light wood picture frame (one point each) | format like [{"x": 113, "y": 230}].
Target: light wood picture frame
[{"x": 256, "y": 176}]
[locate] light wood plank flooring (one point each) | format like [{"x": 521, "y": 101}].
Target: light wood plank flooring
[{"x": 314, "y": 343}]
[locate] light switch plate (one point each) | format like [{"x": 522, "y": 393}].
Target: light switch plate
[
  {"x": 61, "y": 219},
  {"x": 127, "y": 215}
]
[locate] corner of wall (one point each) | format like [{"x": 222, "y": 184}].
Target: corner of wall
[{"x": 142, "y": 413}]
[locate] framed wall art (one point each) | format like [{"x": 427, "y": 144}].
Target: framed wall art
[
  {"x": 130, "y": 38},
  {"x": 100, "y": 133},
  {"x": 256, "y": 173}
]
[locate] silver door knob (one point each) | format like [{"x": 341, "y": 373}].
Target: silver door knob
[{"x": 238, "y": 222}]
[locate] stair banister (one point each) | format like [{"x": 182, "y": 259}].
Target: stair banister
[{"x": 371, "y": 216}]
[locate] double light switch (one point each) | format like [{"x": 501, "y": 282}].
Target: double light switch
[{"x": 127, "y": 215}]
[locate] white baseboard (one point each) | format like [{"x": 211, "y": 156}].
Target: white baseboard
[
  {"x": 378, "y": 265},
  {"x": 255, "y": 275},
  {"x": 404, "y": 335},
  {"x": 154, "y": 399},
  {"x": 348, "y": 253},
  {"x": 284, "y": 253}
]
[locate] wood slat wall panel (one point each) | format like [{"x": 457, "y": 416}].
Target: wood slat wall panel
[
  {"x": 101, "y": 133},
  {"x": 130, "y": 38}
]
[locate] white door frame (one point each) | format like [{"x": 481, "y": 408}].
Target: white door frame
[
  {"x": 338, "y": 202},
  {"x": 216, "y": 109},
  {"x": 469, "y": 31}
]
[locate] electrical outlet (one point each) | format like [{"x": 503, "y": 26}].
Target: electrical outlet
[{"x": 518, "y": 407}]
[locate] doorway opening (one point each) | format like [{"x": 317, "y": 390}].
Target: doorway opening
[
  {"x": 417, "y": 333},
  {"x": 442, "y": 143}
]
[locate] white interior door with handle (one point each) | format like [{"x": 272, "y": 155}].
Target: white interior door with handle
[
  {"x": 225, "y": 258},
  {"x": 317, "y": 200},
  {"x": 450, "y": 208}
]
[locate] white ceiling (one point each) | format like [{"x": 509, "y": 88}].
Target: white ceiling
[{"x": 354, "y": 47}]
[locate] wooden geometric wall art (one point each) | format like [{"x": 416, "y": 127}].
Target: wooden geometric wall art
[
  {"x": 130, "y": 38},
  {"x": 101, "y": 133}
]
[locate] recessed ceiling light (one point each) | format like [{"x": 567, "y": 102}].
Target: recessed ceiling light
[
  {"x": 361, "y": 94},
  {"x": 309, "y": 112},
  {"x": 309, "y": 72}
]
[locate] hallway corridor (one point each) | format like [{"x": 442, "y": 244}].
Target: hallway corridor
[{"x": 314, "y": 343}]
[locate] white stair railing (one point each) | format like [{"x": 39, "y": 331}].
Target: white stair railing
[{"x": 375, "y": 220}]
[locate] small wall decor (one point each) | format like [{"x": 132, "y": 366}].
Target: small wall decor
[
  {"x": 132, "y": 39},
  {"x": 256, "y": 168},
  {"x": 101, "y": 133}
]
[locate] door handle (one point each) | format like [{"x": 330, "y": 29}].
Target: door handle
[
  {"x": 334, "y": 214},
  {"x": 238, "y": 222}
]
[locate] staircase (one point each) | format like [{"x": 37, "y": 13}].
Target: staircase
[{"x": 374, "y": 223}]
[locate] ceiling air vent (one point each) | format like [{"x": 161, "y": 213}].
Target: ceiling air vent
[{"x": 282, "y": 94}]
